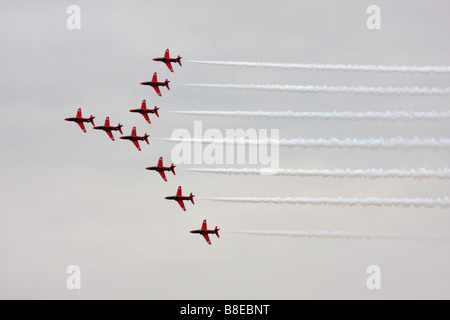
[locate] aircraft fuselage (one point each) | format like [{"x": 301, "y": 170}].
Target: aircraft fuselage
[
  {"x": 137, "y": 138},
  {"x": 78, "y": 119},
  {"x": 144, "y": 110},
  {"x": 158, "y": 168},
  {"x": 155, "y": 83},
  {"x": 176, "y": 198},
  {"x": 204, "y": 231},
  {"x": 107, "y": 128},
  {"x": 167, "y": 59}
]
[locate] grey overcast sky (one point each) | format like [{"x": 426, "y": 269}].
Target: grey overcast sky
[{"x": 70, "y": 198}]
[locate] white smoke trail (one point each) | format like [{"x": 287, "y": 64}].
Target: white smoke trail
[
  {"x": 334, "y": 115},
  {"x": 341, "y": 235},
  {"x": 421, "y": 173},
  {"x": 329, "y": 89},
  {"x": 332, "y": 67},
  {"x": 370, "y": 143},
  {"x": 340, "y": 201}
]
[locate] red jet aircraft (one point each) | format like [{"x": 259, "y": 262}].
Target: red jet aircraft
[
  {"x": 160, "y": 168},
  {"x": 180, "y": 198},
  {"x": 167, "y": 60},
  {"x": 204, "y": 232},
  {"x": 135, "y": 138},
  {"x": 108, "y": 128},
  {"x": 155, "y": 84},
  {"x": 80, "y": 120},
  {"x": 144, "y": 111}
]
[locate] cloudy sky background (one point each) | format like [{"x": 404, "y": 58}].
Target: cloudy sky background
[{"x": 70, "y": 198}]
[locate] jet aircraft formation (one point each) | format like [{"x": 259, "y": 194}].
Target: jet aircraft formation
[{"x": 160, "y": 168}]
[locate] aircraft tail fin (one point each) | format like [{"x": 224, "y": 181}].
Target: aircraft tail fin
[
  {"x": 146, "y": 138},
  {"x": 156, "y": 112},
  {"x": 191, "y": 198},
  {"x": 167, "y": 84},
  {"x": 172, "y": 168},
  {"x": 179, "y": 60},
  {"x": 216, "y": 231},
  {"x": 120, "y": 128},
  {"x": 91, "y": 120}
]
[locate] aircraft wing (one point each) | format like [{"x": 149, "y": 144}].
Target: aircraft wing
[
  {"x": 110, "y": 134},
  {"x": 204, "y": 225},
  {"x": 157, "y": 90},
  {"x": 136, "y": 143},
  {"x": 81, "y": 124},
  {"x": 163, "y": 175},
  {"x": 205, "y": 235},
  {"x": 79, "y": 113},
  {"x": 167, "y": 54},
  {"x": 180, "y": 202},
  {"x": 169, "y": 65},
  {"x": 146, "y": 117}
]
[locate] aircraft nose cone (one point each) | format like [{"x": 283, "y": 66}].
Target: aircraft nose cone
[
  {"x": 192, "y": 231},
  {"x": 148, "y": 168},
  {"x": 154, "y": 59},
  {"x": 142, "y": 82}
]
